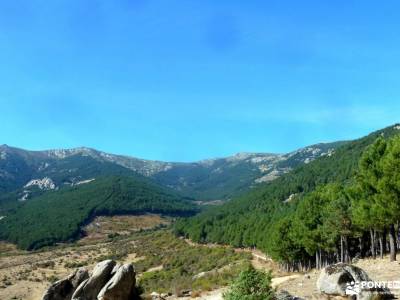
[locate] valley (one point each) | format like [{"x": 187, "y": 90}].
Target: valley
[
  {"x": 47, "y": 196},
  {"x": 90, "y": 206}
]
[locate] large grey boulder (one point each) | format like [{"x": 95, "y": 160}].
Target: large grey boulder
[
  {"x": 108, "y": 281},
  {"x": 60, "y": 290},
  {"x": 90, "y": 288},
  {"x": 121, "y": 286},
  {"x": 63, "y": 289},
  {"x": 78, "y": 277},
  {"x": 347, "y": 280}
]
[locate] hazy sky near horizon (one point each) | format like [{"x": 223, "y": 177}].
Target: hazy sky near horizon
[{"x": 187, "y": 80}]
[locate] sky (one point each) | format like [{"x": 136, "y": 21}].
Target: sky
[{"x": 188, "y": 80}]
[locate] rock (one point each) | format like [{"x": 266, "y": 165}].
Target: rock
[
  {"x": 284, "y": 295},
  {"x": 60, "y": 290},
  {"x": 90, "y": 288},
  {"x": 200, "y": 275},
  {"x": 157, "y": 296},
  {"x": 154, "y": 294},
  {"x": 78, "y": 277},
  {"x": 346, "y": 280},
  {"x": 115, "y": 269},
  {"x": 121, "y": 286},
  {"x": 108, "y": 281},
  {"x": 63, "y": 289},
  {"x": 316, "y": 296},
  {"x": 186, "y": 292}
]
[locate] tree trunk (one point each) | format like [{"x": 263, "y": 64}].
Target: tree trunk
[
  {"x": 397, "y": 228},
  {"x": 347, "y": 258},
  {"x": 392, "y": 243},
  {"x": 341, "y": 249},
  {"x": 320, "y": 259},
  {"x": 361, "y": 242},
  {"x": 384, "y": 241},
  {"x": 372, "y": 233},
  {"x": 398, "y": 234},
  {"x": 380, "y": 240}
]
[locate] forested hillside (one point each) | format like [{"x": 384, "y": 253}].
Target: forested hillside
[
  {"x": 295, "y": 217},
  {"x": 59, "y": 215}
]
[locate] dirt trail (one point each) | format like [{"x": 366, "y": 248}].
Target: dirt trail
[
  {"x": 212, "y": 295},
  {"x": 279, "y": 280},
  {"x": 260, "y": 261}
]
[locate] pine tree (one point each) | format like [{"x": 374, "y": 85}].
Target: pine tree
[
  {"x": 389, "y": 187},
  {"x": 307, "y": 226},
  {"x": 337, "y": 225},
  {"x": 367, "y": 212}
]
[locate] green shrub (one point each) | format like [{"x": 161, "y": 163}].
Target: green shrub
[{"x": 251, "y": 285}]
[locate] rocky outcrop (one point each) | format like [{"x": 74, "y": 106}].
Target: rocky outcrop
[
  {"x": 90, "y": 288},
  {"x": 121, "y": 286},
  {"x": 45, "y": 183},
  {"x": 78, "y": 277},
  {"x": 108, "y": 281},
  {"x": 348, "y": 280},
  {"x": 63, "y": 289}
]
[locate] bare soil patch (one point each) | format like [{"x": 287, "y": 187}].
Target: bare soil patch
[{"x": 102, "y": 227}]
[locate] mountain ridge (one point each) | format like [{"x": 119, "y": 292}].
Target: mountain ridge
[{"x": 208, "y": 179}]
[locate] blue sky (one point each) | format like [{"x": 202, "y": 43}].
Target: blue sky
[{"x": 187, "y": 80}]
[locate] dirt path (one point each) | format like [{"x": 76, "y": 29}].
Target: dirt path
[
  {"x": 212, "y": 295},
  {"x": 279, "y": 280}
]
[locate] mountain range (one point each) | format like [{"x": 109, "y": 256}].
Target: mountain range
[{"x": 29, "y": 172}]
